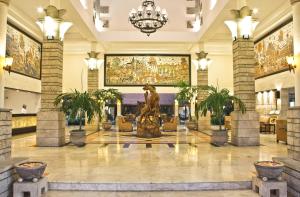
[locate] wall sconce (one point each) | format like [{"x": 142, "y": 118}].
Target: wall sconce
[
  {"x": 243, "y": 24},
  {"x": 6, "y": 63},
  {"x": 92, "y": 61},
  {"x": 292, "y": 63},
  {"x": 203, "y": 61},
  {"x": 52, "y": 24}
]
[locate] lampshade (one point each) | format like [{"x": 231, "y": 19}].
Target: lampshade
[
  {"x": 52, "y": 24},
  {"x": 290, "y": 60},
  {"x": 243, "y": 25},
  {"x": 203, "y": 61},
  {"x": 9, "y": 61},
  {"x": 92, "y": 61}
]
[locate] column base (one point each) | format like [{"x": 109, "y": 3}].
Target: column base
[
  {"x": 291, "y": 174},
  {"x": 5, "y": 134},
  {"x": 245, "y": 128},
  {"x": 204, "y": 122},
  {"x": 50, "y": 129},
  {"x": 293, "y": 133}
]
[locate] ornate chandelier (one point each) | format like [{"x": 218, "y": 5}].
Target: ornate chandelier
[{"x": 148, "y": 18}]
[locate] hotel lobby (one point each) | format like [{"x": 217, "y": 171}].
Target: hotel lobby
[{"x": 149, "y": 97}]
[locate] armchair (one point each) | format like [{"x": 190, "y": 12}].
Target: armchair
[
  {"x": 170, "y": 125},
  {"x": 123, "y": 125}
]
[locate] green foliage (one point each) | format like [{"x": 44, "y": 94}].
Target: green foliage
[
  {"x": 104, "y": 96},
  {"x": 77, "y": 104},
  {"x": 186, "y": 95},
  {"x": 216, "y": 102}
]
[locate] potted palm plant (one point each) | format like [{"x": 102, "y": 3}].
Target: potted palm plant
[
  {"x": 215, "y": 102},
  {"x": 102, "y": 97},
  {"x": 76, "y": 105},
  {"x": 185, "y": 97}
]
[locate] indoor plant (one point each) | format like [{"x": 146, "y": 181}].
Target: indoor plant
[
  {"x": 215, "y": 103},
  {"x": 77, "y": 104},
  {"x": 185, "y": 97},
  {"x": 102, "y": 97}
]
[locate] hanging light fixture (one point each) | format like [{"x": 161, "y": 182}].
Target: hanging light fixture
[
  {"x": 92, "y": 61},
  {"x": 203, "y": 61},
  {"x": 99, "y": 24},
  {"x": 243, "y": 24},
  {"x": 148, "y": 18},
  {"x": 52, "y": 24}
]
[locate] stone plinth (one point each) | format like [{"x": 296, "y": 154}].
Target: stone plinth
[
  {"x": 8, "y": 175},
  {"x": 5, "y": 134},
  {"x": 37, "y": 189},
  {"x": 293, "y": 133},
  {"x": 264, "y": 188},
  {"x": 291, "y": 174},
  {"x": 50, "y": 121},
  {"x": 245, "y": 127}
]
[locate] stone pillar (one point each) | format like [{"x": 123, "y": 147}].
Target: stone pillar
[
  {"x": 93, "y": 81},
  {"x": 176, "y": 108},
  {"x": 245, "y": 127},
  {"x": 50, "y": 121},
  {"x": 5, "y": 134},
  {"x": 284, "y": 103},
  {"x": 119, "y": 108},
  {"x": 202, "y": 80},
  {"x": 3, "y": 30}
]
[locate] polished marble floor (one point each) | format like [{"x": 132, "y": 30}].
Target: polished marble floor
[
  {"x": 242, "y": 193},
  {"x": 177, "y": 157}
]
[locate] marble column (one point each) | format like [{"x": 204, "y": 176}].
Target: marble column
[
  {"x": 245, "y": 127},
  {"x": 202, "y": 80},
  {"x": 93, "y": 81},
  {"x": 51, "y": 121},
  {"x": 5, "y": 134},
  {"x": 291, "y": 171}
]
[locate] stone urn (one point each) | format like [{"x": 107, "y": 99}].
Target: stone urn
[
  {"x": 269, "y": 170},
  {"x": 218, "y": 137},
  {"x": 192, "y": 125},
  {"x": 78, "y": 137},
  {"x": 30, "y": 171},
  {"x": 106, "y": 126}
]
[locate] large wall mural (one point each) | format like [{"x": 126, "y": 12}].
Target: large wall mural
[
  {"x": 272, "y": 50},
  {"x": 137, "y": 70},
  {"x": 25, "y": 51}
]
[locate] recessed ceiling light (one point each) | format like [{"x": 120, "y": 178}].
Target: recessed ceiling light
[
  {"x": 40, "y": 9},
  {"x": 255, "y": 11}
]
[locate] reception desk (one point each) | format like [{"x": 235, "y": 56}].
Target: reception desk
[{"x": 23, "y": 123}]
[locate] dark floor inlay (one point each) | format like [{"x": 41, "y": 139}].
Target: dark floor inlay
[
  {"x": 171, "y": 145},
  {"x": 126, "y": 145},
  {"x": 148, "y": 145}
]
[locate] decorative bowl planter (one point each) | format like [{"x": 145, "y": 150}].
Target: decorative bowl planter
[
  {"x": 78, "y": 137},
  {"x": 30, "y": 171},
  {"x": 269, "y": 170},
  {"x": 219, "y": 138},
  {"x": 106, "y": 126},
  {"x": 192, "y": 125}
]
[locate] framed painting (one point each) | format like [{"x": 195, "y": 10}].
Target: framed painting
[
  {"x": 271, "y": 50},
  {"x": 26, "y": 52},
  {"x": 140, "y": 69}
]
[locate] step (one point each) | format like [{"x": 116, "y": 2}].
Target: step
[
  {"x": 229, "y": 193},
  {"x": 192, "y": 186}
]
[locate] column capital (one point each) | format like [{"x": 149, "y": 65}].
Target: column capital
[
  {"x": 5, "y": 1},
  {"x": 294, "y": 1}
]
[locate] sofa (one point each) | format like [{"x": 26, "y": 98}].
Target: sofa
[{"x": 123, "y": 125}]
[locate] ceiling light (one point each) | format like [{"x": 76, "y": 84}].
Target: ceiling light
[
  {"x": 148, "y": 18},
  {"x": 99, "y": 23},
  {"x": 255, "y": 10},
  {"x": 40, "y": 10},
  {"x": 243, "y": 24},
  {"x": 213, "y": 3},
  {"x": 84, "y": 4},
  {"x": 52, "y": 24},
  {"x": 197, "y": 24}
]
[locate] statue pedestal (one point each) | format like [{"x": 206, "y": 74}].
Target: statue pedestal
[{"x": 148, "y": 128}]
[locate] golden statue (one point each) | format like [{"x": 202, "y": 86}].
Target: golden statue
[{"x": 148, "y": 123}]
